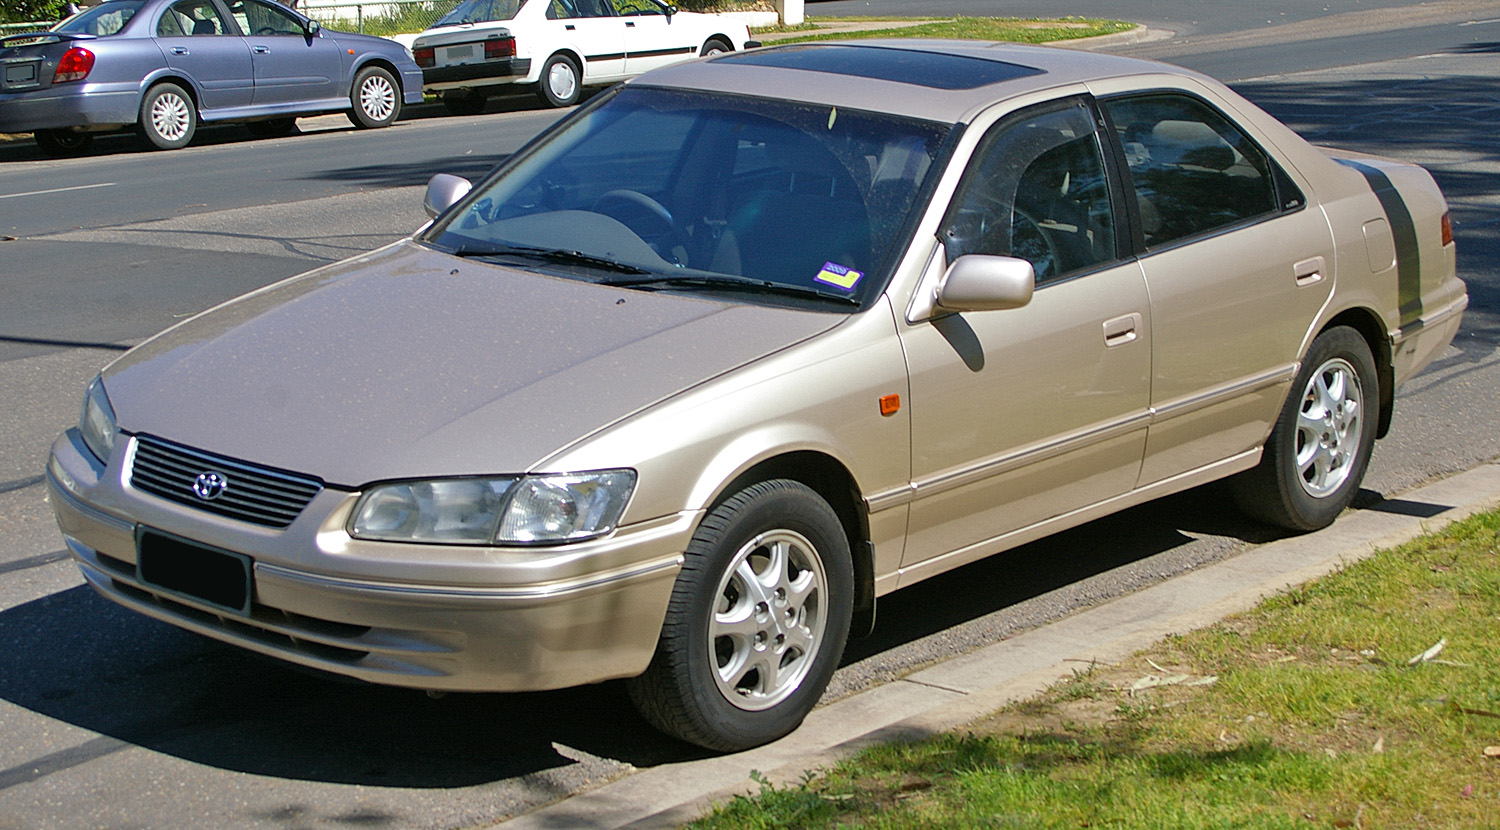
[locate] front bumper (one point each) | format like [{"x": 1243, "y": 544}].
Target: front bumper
[{"x": 423, "y": 616}]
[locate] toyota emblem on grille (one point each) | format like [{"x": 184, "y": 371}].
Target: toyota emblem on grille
[{"x": 210, "y": 485}]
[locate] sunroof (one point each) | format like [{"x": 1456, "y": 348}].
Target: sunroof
[{"x": 908, "y": 66}]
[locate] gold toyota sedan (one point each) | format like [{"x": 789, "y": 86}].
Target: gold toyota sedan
[{"x": 687, "y": 384}]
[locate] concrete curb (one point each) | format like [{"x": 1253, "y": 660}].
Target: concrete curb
[{"x": 972, "y": 685}]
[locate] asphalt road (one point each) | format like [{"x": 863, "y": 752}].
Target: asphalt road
[{"x": 112, "y": 720}]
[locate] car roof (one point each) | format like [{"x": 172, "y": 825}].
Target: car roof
[{"x": 939, "y": 80}]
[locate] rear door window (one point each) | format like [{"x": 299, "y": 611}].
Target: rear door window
[{"x": 1193, "y": 171}]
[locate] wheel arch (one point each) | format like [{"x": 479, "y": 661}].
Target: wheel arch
[
  {"x": 719, "y": 38},
  {"x": 566, "y": 51},
  {"x": 167, "y": 76},
  {"x": 376, "y": 60},
  {"x": 1369, "y": 326},
  {"x": 832, "y": 481}
]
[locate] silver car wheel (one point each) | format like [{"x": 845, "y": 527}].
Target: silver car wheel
[
  {"x": 768, "y": 619},
  {"x": 1329, "y": 426},
  {"x": 170, "y": 116},
  {"x": 562, "y": 81},
  {"x": 377, "y": 97}
]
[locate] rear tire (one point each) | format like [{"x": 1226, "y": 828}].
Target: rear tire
[
  {"x": 712, "y": 47},
  {"x": 756, "y": 623},
  {"x": 1318, "y": 451},
  {"x": 375, "y": 99},
  {"x": 561, "y": 83},
  {"x": 464, "y": 102},
  {"x": 63, "y": 143},
  {"x": 168, "y": 117}
]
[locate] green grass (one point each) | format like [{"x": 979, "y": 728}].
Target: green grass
[
  {"x": 1015, "y": 30},
  {"x": 1315, "y": 718}
]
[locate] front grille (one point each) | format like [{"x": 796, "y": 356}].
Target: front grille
[{"x": 251, "y": 493}]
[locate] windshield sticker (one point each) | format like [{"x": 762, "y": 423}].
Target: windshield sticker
[{"x": 839, "y": 276}]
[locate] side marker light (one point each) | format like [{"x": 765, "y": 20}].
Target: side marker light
[{"x": 890, "y": 405}]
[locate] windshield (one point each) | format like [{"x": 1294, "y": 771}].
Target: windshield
[
  {"x": 101, "y": 20},
  {"x": 683, "y": 187},
  {"x": 480, "y": 11}
]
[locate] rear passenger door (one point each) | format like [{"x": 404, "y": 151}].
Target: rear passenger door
[
  {"x": 1237, "y": 265},
  {"x": 590, "y": 27},
  {"x": 198, "y": 40}
]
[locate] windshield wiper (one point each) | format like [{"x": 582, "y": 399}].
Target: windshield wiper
[
  {"x": 730, "y": 282},
  {"x": 558, "y": 255}
]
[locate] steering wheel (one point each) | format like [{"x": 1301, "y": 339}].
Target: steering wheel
[
  {"x": 635, "y": 210},
  {"x": 266, "y": 30},
  {"x": 1030, "y": 241}
]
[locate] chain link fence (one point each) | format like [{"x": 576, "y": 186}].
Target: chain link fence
[
  {"x": 22, "y": 28},
  {"x": 384, "y": 18}
]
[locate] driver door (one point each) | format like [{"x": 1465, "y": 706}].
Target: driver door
[
  {"x": 1025, "y": 414},
  {"x": 291, "y": 66},
  {"x": 651, "y": 40}
]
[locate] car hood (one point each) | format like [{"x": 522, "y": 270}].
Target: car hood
[{"x": 407, "y": 362}]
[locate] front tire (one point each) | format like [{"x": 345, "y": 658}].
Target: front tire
[
  {"x": 168, "y": 118},
  {"x": 63, "y": 143},
  {"x": 757, "y": 621},
  {"x": 376, "y": 99},
  {"x": 561, "y": 83},
  {"x": 1320, "y": 447},
  {"x": 272, "y": 128}
]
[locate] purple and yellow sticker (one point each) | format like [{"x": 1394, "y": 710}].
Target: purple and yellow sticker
[{"x": 839, "y": 276}]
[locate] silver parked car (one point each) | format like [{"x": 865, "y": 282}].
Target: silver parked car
[
  {"x": 741, "y": 346},
  {"x": 164, "y": 66}
]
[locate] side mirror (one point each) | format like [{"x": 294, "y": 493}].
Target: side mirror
[
  {"x": 443, "y": 192},
  {"x": 667, "y": 9},
  {"x": 313, "y": 28},
  {"x": 978, "y": 282}
]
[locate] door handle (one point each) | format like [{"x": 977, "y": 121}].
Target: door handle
[
  {"x": 261, "y": 50},
  {"x": 1308, "y": 271},
  {"x": 629, "y": 25},
  {"x": 179, "y": 50},
  {"x": 1122, "y": 330}
]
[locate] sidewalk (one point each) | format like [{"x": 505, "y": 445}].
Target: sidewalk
[{"x": 969, "y": 686}]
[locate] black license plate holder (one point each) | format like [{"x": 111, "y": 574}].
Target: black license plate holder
[{"x": 194, "y": 571}]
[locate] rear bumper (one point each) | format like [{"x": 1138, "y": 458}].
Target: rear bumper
[
  {"x": 1418, "y": 344},
  {"x": 85, "y": 106},
  {"x": 489, "y": 73}
]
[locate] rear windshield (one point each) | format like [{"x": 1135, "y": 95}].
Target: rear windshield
[
  {"x": 101, "y": 20},
  {"x": 480, "y": 11}
]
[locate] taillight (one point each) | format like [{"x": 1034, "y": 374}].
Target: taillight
[
  {"x": 75, "y": 65},
  {"x": 500, "y": 47},
  {"x": 1447, "y": 229},
  {"x": 426, "y": 58}
]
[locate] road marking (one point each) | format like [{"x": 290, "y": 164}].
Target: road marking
[
  {"x": 56, "y": 190},
  {"x": 1481, "y": 22}
]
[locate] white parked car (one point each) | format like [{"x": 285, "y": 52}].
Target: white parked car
[{"x": 560, "y": 46}]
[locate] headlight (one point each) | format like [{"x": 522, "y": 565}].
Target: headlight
[
  {"x": 97, "y": 421},
  {"x": 543, "y": 509}
]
